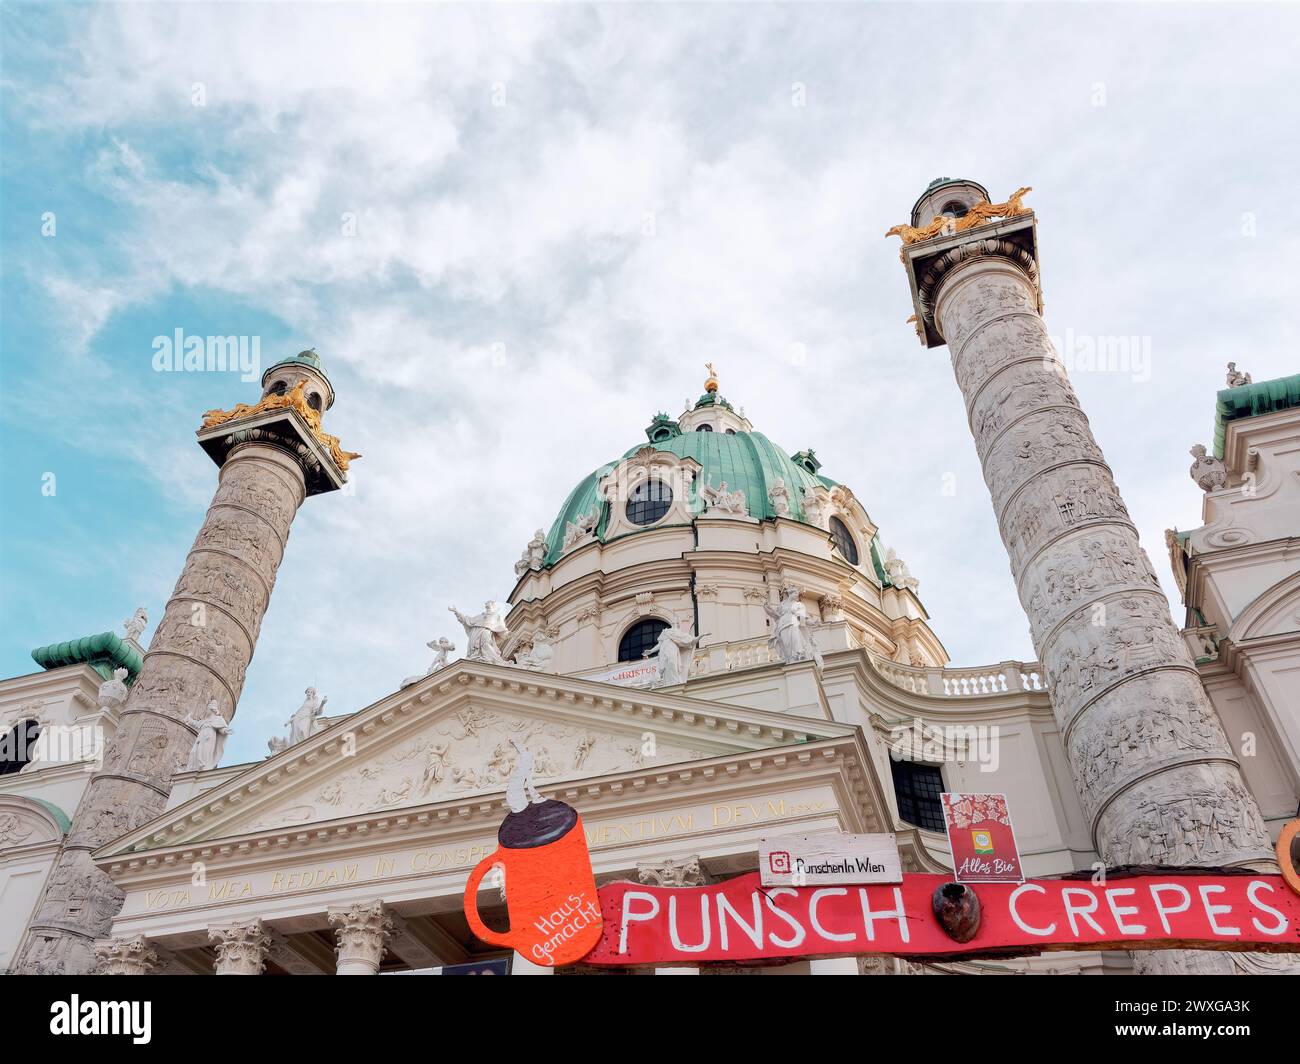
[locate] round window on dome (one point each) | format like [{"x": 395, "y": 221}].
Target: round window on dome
[
  {"x": 705, "y": 428},
  {"x": 844, "y": 541},
  {"x": 639, "y": 638},
  {"x": 648, "y": 502}
]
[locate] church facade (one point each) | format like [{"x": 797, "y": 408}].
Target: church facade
[{"x": 709, "y": 645}]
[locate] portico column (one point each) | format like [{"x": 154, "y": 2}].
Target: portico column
[
  {"x": 362, "y": 937},
  {"x": 1158, "y": 782},
  {"x": 241, "y": 948},
  {"x": 125, "y": 956}
]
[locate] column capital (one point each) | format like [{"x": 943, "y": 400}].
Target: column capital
[
  {"x": 241, "y": 948},
  {"x": 672, "y": 872},
  {"x": 971, "y": 228},
  {"x": 131, "y": 955},
  {"x": 364, "y": 930}
]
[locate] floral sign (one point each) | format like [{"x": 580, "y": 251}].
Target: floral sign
[{"x": 983, "y": 842}]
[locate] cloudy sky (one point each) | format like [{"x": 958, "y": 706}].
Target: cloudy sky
[{"x": 516, "y": 233}]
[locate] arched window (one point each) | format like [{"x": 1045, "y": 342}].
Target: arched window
[
  {"x": 917, "y": 788},
  {"x": 641, "y": 637},
  {"x": 705, "y": 428},
  {"x": 955, "y": 209},
  {"x": 731, "y": 432},
  {"x": 279, "y": 388},
  {"x": 648, "y": 502},
  {"x": 844, "y": 541},
  {"x": 18, "y": 746},
  {"x": 313, "y": 401}
]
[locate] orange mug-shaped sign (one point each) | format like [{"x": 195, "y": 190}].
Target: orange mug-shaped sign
[
  {"x": 1288, "y": 854},
  {"x": 550, "y": 888}
]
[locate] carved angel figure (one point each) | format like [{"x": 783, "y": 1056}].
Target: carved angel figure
[
  {"x": 577, "y": 530},
  {"x": 720, "y": 500},
  {"x": 540, "y": 656},
  {"x": 441, "y": 647}
]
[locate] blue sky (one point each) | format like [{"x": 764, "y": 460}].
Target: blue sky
[{"x": 561, "y": 212}]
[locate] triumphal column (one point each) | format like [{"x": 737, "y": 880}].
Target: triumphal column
[
  {"x": 272, "y": 455},
  {"x": 1157, "y": 778}
]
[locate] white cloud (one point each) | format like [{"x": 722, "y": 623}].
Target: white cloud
[{"x": 503, "y": 322}]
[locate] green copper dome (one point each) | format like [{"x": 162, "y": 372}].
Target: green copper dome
[{"x": 747, "y": 461}]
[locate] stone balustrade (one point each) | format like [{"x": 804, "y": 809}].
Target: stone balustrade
[{"x": 974, "y": 682}]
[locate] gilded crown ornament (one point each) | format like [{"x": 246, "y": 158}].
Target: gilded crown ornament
[
  {"x": 979, "y": 214},
  {"x": 293, "y": 399}
]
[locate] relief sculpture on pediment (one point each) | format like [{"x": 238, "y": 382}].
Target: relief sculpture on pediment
[{"x": 473, "y": 751}]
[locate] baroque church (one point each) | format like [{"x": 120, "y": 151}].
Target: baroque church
[{"x": 707, "y": 647}]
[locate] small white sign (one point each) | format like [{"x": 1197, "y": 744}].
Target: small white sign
[
  {"x": 832, "y": 857},
  {"x": 627, "y": 674}
]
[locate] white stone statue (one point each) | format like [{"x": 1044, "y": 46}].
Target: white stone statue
[
  {"x": 112, "y": 693},
  {"x": 899, "y": 575},
  {"x": 792, "y": 637},
  {"x": 135, "y": 624},
  {"x": 1235, "y": 377},
  {"x": 481, "y": 633},
  {"x": 304, "y": 723},
  {"x": 534, "y": 556},
  {"x": 277, "y": 744},
  {"x": 585, "y": 526},
  {"x": 519, "y": 788},
  {"x": 210, "y": 741},
  {"x": 779, "y": 496},
  {"x": 814, "y": 511},
  {"x": 673, "y": 653},
  {"x": 540, "y": 656},
  {"x": 1209, "y": 473},
  {"x": 441, "y": 647},
  {"x": 721, "y": 501}
]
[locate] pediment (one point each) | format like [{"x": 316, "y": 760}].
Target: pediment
[{"x": 447, "y": 738}]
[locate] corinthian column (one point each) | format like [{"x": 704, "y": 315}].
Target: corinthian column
[
  {"x": 241, "y": 948},
  {"x": 125, "y": 956},
  {"x": 1157, "y": 779},
  {"x": 272, "y": 455},
  {"x": 362, "y": 937}
]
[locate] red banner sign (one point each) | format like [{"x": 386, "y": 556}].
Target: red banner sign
[{"x": 740, "y": 920}]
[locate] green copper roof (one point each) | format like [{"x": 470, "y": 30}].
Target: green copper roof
[
  {"x": 747, "y": 461},
  {"x": 64, "y": 821},
  {"x": 103, "y": 653},
  {"x": 1251, "y": 400}
]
